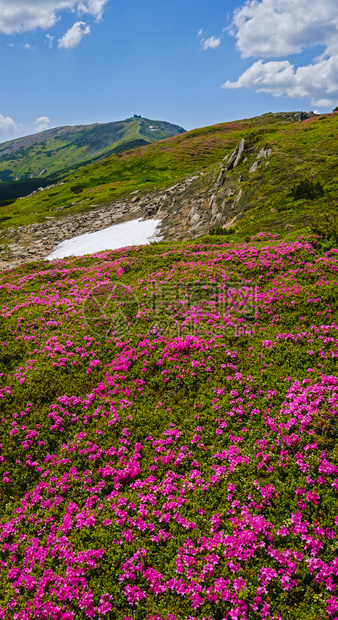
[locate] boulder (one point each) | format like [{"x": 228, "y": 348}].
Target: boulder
[
  {"x": 238, "y": 197},
  {"x": 255, "y": 166},
  {"x": 232, "y": 159},
  {"x": 213, "y": 204},
  {"x": 236, "y": 156},
  {"x": 240, "y": 152},
  {"x": 221, "y": 178},
  {"x": 263, "y": 154}
]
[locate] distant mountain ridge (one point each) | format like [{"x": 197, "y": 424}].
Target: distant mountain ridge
[{"x": 39, "y": 159}]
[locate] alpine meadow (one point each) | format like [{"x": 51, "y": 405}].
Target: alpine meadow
[{"x": 169, "y": 411}]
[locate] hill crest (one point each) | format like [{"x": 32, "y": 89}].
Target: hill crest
[{"x": 41, "y": 159}]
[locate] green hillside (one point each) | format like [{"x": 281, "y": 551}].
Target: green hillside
[
  {"x": 39, "y": 159},
  {"x": 168, "y": 412},
  {"x": 267, "y": 195}
]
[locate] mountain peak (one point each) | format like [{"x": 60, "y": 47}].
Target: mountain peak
[{"x": 41, "y": 159}]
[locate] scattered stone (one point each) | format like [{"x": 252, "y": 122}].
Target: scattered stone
[
  {"x": 238, "y": 197},
  {"x": 185, "y": 210},
  {"x": 255, "y": 166},
  {"x": 263, "y": 154},
  {"x": 240, "y": 152},
  {"x": 194, "y": 217},
  {"x": 230, "y": 223},
  {"x": 221, "y": 179},
  {"x": 213, "y": 204},
  {"x": 232, "y": 159},
  {"x": 236, "y": 155}
]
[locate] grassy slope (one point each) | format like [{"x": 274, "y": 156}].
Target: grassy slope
[
  {"x": 57, "y": 150},
  {"x": 183, "y": 474},
  {"x": 158, "y": 165},
  {"x": 307, "y": 148}
]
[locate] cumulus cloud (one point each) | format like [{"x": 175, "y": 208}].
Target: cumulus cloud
[
  {"x": 318, "y": 82},
  {"x": 275, "y": 28},
  {"x": 7, "y": 126},
  {"x": 49, "y": 40},
  {"x": 23, "y": 15},
  {"x": 211, "y": 43},
  {"x": 271, "y": 29},
  {"x": 42, "y": 123},
  {"x": 74, "y": 35},
  {"x": 93, "y": 7}
]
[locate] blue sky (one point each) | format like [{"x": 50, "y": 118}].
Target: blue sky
[{"x": 190, "y": 62}]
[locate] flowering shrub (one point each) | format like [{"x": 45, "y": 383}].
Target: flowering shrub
[{"x": 180, "y": 463}]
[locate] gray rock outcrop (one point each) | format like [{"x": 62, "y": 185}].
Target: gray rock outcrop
[
  {"x": 235, "y": 157},
  {"x": 263, "y": 154}
]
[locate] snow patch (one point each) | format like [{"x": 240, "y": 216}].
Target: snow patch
[{"x": 134, "y": 232}]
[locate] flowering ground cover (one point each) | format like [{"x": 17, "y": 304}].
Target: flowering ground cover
[{"x": 168, "y": 434}]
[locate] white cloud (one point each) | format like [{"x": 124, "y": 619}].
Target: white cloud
[
  {"x": 211, "y": 43},
  {"x": 7, "y": 126},
  {"x": 200, "y": 32},
  {"x": 318, "y": 81},
  {"x": 271, "y": 29},
  {"x": 49, "y": 40},
  {"x": 275, "y": 28},
  {"x": 93, "y": 7},
  {"x": 27, "y": 46},
  {"x": 22, "y": 15},
  {"x": 74, "y": 35},
  {"x": 42, "y": 123}
]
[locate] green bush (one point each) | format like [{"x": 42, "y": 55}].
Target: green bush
[
  {"x": 327, "y": 229},
  {"x": 5, "y": 203},
  {"x": 77, "y": 189},
  {"x": 218, "y": 230},
  {"x": 307, "y": 189}
]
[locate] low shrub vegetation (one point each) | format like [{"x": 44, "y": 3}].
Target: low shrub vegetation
[
  {"x": 5, "y": 203},
  {"x": 169, "y": 434},
  {"x": 307, "y": 189},
  {"x": 327, "y": 230},
  {"x": 300, "y": 151},
  {"x": 218, "y": 230}
]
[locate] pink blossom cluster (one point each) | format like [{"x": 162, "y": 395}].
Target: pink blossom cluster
[{"x": 141, "y": 502}]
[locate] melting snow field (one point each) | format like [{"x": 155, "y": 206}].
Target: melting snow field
[{"x": 133, "y": 232}]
